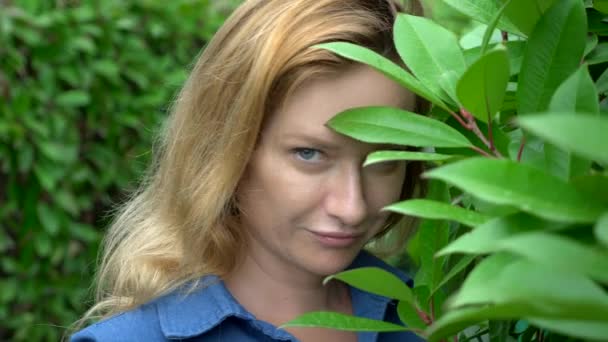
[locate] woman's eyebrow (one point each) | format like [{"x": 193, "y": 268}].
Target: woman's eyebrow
[{"x": 316, "y": 141}]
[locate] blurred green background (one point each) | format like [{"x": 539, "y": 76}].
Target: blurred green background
[{"x": 84, "y": 85}]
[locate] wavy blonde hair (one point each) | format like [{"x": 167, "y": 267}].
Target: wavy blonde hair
[{"x": 182, "y": 223}]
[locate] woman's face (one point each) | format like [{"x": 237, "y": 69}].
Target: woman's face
[{"x": 307, "y": 203}]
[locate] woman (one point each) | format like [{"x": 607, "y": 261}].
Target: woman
[{"x": 252, "y": 200}]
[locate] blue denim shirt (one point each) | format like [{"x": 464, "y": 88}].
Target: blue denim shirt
[{"x": 213, "y": 314}]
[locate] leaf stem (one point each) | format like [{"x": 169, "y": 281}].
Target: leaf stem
[
  {"x": 471, "y": 125},
  {"x": 480, "y": 151},
  {"x": 459, "y": 119},
  {"x": 425, "y": 318},
  {"x": 521, "y": 147},
  {"x": 539, "y": 335}
]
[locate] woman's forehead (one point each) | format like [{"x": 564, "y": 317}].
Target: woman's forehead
[{"x": 318, "y": 100}]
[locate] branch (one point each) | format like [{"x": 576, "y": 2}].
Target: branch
[
  {"x": 521, "y": 147},
  {"x": 472, "y": 126}
]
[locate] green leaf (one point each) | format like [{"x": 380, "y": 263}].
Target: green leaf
[
  {"x": 457, "y": 320},
  {"x": 84, "y": 232},
  {"x": 491, "y": 27},
  {"x": 595, "y": 186},
  {"x": 48, "y": 218},
  {"x": 66, "y": 201},
  {"x": 598, "y": 55},
  {"x": 409, "y": 316},
  {"x": 42, "y": 244},
  {"x": 73, "y": 98},
  {"x": 455, "y": 270},
  {"x": 525, "y": 13},
  {"x": 482, "y": 239},
  {"x": 396, "y": 126},
  {"x": 385, "y": 66},
  {"x": 375, "y": 280},
  {"x": 107, "y": 68},
  {"x": 545, "y": 65},
  {"x": 579, "y": 133},
  {"x": 601, "y": 6},
  {"x": 591, "y": 43},
  {"x": 437, "y": 210},
  {"x": 602, "y": 82},
  {"x": 521, "y": 186},
  {"x": 484, "y": 11},
  {"x": 384, "y": 156},
  {"x": 432, "y": 236},
  {"x": 502, "y": 279},
  {"x": 429, "y": 50},
  {"x": 481, "y": 89},
  {"x": 601, "y": 230},
  {"x": 515, "y": 50},
  {"x": 582, "y": 329},
  {"x": 577, "y": 94},
  {"x": 335, "y": 320},
  {"x": 59, "y": 152},
  {"x": 558, "y": 253}
]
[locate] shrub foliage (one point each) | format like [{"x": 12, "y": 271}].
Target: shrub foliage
[{"x": 83, "y": 85}]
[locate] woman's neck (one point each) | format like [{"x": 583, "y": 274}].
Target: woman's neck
[{"x": 276, "y": 294}]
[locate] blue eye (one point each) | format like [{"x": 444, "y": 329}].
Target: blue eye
[{"x": 307, "y": 154}]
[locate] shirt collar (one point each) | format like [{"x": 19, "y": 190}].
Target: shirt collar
[{"x": 185, "y": 314}]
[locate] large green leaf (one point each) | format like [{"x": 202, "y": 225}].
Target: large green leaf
[
  {"x": 483, "y": 11},
  {"x": 483, "y": 239},
  {"x": 432, "y": 236},
  {"x": 409, "y": 316},
  {"x": 503, "y": 279},
  {"x": 591, "y": 330},
  {"x": 579, "y": 133},
  {"x": 396, "y": 126},
  {"x": 375, "y": 280},
  {"x": 455, "y": 270},
  {"x": 385, "y": 66},
  {"x": 602, "y": 82},
  {"x": 515, "y": 50},
  {"x": 429, "y": 50},
  {"x": 525, "y": 13},
  {"x": 335, "y": 320},
  {"x": 522, "y": 186},
  {"x": 577, "y": 94},
  {"x": 558, "y": 253},
  {"x": 543, "y": 248},
  {"x": 457, "y": 320},
  {"x": 598, "y": 55},
  {"x": 595, "y": 186},
  {"x": 437, "y": 210},
  {"x": 384, "y": 156},
  {"x": 481, "y": 89},
  {"x": 545, "y": 65},
  {"x": 601, "y": 230}
]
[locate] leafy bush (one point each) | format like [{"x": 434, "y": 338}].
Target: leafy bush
[
  {"x": 83, "y": 85},
  {"x": 515, "y": 230}
]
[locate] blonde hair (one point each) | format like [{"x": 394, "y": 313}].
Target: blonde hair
[{"x": 182, "y": 223}]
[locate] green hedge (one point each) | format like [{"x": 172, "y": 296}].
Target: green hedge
[{"x": 83, "y": 86}]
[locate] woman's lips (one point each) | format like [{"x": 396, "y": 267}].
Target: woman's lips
[{"x": 336, "y": 239}]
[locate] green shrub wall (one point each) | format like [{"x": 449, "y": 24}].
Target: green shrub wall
[{"x": 83, "y": 87}]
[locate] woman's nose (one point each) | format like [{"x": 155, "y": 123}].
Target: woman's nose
[{"x": 346, "y": 197}]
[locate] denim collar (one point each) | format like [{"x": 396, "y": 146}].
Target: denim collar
[{"x": 185, "y": 314}]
